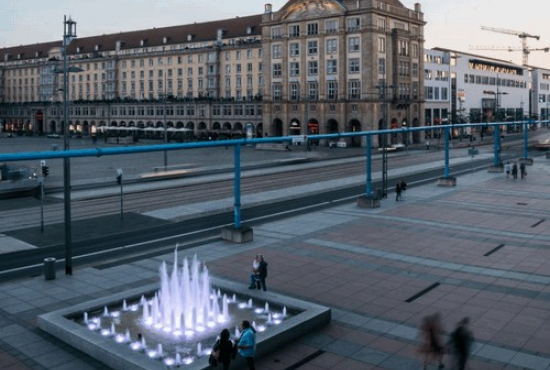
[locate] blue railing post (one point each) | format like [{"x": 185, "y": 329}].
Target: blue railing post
[
  {"x": 526, "y": 139},
  {"x": 369, "y": 165},
  {"x": 237, "y": 207},
  {"x": 447, "y": 134},
  {"x": 496, "y": 147}
]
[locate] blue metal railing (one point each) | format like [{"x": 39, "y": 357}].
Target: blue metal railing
[{"x": 238, "y": 143}]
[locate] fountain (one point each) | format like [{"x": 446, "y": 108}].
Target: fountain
[{"x": 176, "y": 324}]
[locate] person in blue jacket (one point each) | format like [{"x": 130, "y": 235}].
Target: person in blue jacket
[{"x": 247, "y": 344}]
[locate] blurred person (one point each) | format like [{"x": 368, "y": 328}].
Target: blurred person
[
  {"x": 431, "y": 335},
  {"x": 461, "y": 344}
]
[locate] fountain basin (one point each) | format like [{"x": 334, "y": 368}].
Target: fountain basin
[{"x": 61, "y": 325}]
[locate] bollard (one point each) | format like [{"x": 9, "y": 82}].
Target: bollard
[{"x": 49, "y": 268}]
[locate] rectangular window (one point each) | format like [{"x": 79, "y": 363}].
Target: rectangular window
[
  {"x": 294, "y": 49},
  {"x": 294, "y": 31},
  {"x": 354, "y": 24},
  {"x": 332, "y": 90},
  {"x": 332, "y": 66},
  {"x": 354, "y": 65},
  {"x": 313, "y": 90},
  {"x": 313, "y": 68},
  {"x": 276, "y": 32},
  {"x": 294, "y": 91},
  {"x": 403, "y": 48},
  {"x": 276, "y": 51},
  {"x": 331, "y": 26},
  {"x": 277, "y": 91},
  {"x": 353, "y": 44},
  {"x": 332, "y": 46},
  {"x": 312, "y": 47},
  {"x": 381, "y": 45},
  {"x": 294, "y": 69},
  {"x": 354, "y": 89},
  {"x": 249, "y": 54},
  {"x": 382, "y": 66},
  {"x": 312, "y": 29},
  {"x": 277, "y": 70}
]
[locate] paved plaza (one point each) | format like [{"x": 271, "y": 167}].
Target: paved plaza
[{"x": 482, "y": 246}]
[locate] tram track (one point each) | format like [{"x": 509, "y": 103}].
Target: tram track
[{"x": 182, "y": 193}]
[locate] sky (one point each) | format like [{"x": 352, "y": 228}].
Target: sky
[{"x": 451, "y": 24}]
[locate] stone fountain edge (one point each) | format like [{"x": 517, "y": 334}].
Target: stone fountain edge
[{"x": 120, "y": 357}]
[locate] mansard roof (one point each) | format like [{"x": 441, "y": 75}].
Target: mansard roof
[{"x": 239, "y": 27}]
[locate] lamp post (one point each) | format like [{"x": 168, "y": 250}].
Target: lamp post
[
  {"x": 383, "y": 91},
  {"x": 69, "y": 33},
  {"x": 165, "y": 125},
  {"x": 497, "y": 162}
]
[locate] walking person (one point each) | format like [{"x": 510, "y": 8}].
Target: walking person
[
  {"x": 515, "y": 171},
  {"x": 507, "y": 169},
  {"x": 522, "y": 170},
  {"x": 432, "y": 347},
  {"x": 461, "y": 343},
  {"x": 223, "y": 350},
  {"x": 247, "y": 344}
]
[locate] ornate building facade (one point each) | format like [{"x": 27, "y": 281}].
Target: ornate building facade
[{"x": 314, "y": 66}]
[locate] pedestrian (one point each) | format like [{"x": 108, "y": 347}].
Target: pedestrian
[
  {"x": 515, "y": 171},
  {"x": 522, "y": 170},
  {"x": 460, "y": 344},
  {"x": 247, "y": 344},
  {"x": 397, "y": 191},
  {"x": 223, "y": 350},
  {"x": 507, "y": 169},
  {"x": 432, "y": 347},
  {"x": 427, "y": 144}
]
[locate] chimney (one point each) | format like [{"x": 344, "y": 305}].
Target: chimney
[
  {"x": 268, "y": 9},
  {"x": 418, "y": 8}
]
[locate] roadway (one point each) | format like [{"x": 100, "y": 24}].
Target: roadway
[{"x": 99, "y": 233}]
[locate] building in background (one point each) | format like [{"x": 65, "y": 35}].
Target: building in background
[
  {"x": 320, "y": 66},
  {"x": 463, "y": 88},
  {"x": 540, "y": 93}
]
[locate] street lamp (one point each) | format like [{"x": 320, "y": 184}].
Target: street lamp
[
  {"x": 69, "y": 33},
  {"x": 498, "y": 149},
  {"x": 383, "y": 93}
]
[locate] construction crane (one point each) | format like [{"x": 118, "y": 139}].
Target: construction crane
[
  {"x": 522, "y": 35},
  {"x": 511, "y": 48}
]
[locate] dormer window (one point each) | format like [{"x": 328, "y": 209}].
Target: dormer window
[
  {"x": 96, "y": 48},
  {"x": 249, "y": 30},
  {"x": 165, "y": 40},
  {"x": 189, "y": 37},
  {"x": 78, "y": 49},
  {"x": 142, "y": 42}
]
